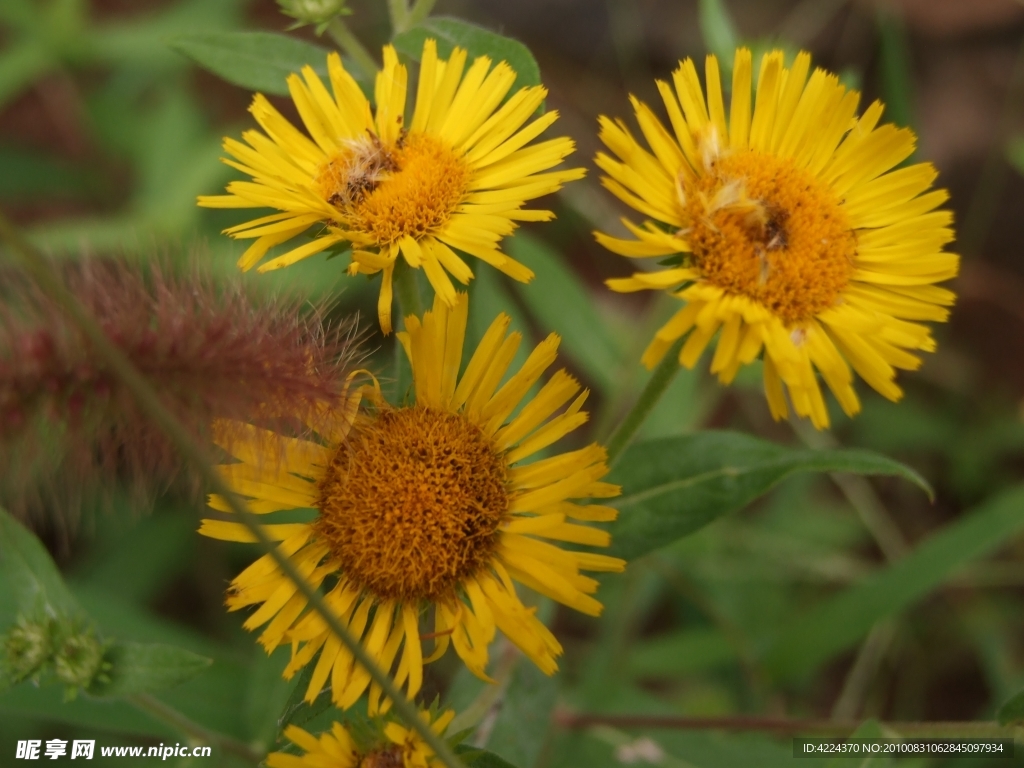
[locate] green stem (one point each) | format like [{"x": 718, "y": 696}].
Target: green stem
[
  {"x": 37, "y": 266},
  {"x": 351, "y": 46},
  {"x": 420, "y": 11},
  {"x": 398, "y": 10},
  {"x": 656, "y": 386},
  {"x": 156, "y": 709}
]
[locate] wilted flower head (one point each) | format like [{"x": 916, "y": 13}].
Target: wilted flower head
[{"x": 67, "y": 424}]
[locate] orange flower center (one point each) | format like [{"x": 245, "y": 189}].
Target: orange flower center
[
  {"x": 412, "y": 502},
  {"x": 763, "y": 228},
  {"x": 387, "y": 192},
  {"x": 390, "y": 757}
]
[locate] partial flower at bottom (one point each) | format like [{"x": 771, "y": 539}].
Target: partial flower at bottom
[
  {"x": 396, "y": 747},
  {"x": 787, "y": 231},
  {"x": 452, "y": 178},
  {"x": 428, "y": 509}
]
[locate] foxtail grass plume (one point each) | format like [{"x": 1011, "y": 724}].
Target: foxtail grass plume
[
  {"x": 452, "y": 178},
  {"x": 68, "y": 425},
  {"x": 786, "y": 230},
  {"x": 427, "y": 509}
]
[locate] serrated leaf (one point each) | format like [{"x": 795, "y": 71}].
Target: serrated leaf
[
  {"x": 258, "y": 61},
  {"x": 836, "y": 624},
  {"x": 477, "y": 41},
  {"x": 28, "y": 573},
  {"x": 674, "y": 486},
  {"x": 146, "y": 667}
]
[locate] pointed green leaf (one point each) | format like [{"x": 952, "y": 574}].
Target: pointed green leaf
[
  {"x": 838, "y": 623},
  {"x": 480, "y": 758},
  {"x": 1013, "y": 710},
  {"x": 525, "y": 717},
  {"x": 146, "y": 667},
  {"x": 675, "y": 486},
  {"x": 476, "y": 40},
  {"x": 719, "y": 31},
  {"x": 28, "y": 574},
  {"x": 258, "y": 61}
]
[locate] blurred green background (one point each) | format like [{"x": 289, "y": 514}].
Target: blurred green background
[{"x": 809, "y": 604}]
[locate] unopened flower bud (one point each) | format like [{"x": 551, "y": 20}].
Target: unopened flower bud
[
  {"x": 79, "y": 659},
  {"x": 26, "y": 648},
  {"x": 319, "y": 12}
]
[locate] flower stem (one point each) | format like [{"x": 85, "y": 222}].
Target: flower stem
[
  {"x": 398, "y": 10},
  {"x": 351, "y": 46},
  {"x": 36, "y": 265},
  {"x": 656, "y": 386},
  {"x": 156, "y": 709},
  {"x": 419, "y": 12}
]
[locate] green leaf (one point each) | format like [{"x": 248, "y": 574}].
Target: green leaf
[
  {"x": 718, "y": 31},
  {"x": 258, "y": 61},
  {"x": 897, "y": 88},
  {"x": 525, "y": 718},
  {"x": 29, "y": 175},
  {"x": 29, "y": 575},
  {"x": 46, "y": 703},
  {"x": 680, "y": 653},
  {"x": 675, "y": 486},
  {"x": 1013, "y": 710},
  {"x": 833, "y": 626},
  {"x": 143, "y": 668},
  {"x": 560, "y": 301},
  {"x": 449, "y": 32},
  {"x": 869, "y": 729},
  {"x": 20, "y": 64},
  {"x": 472, "y": 757}
]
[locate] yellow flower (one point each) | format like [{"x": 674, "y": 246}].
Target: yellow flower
[
  {"x": 399, "y": 748},
  {"x": 454, "y": 178},
  {"x": 427, "y": 508},
  {"x": 788, "y": 228}
]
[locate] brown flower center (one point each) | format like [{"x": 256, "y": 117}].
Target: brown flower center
[
  {"x": 412, "y": 503},
  {"x": 386, "y": 192},
  {"x": 766, "y": 229},
  {"x": 390, "y": 757}
]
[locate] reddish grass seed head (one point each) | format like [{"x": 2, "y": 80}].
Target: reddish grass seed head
[{"x": 213, "y": 352}]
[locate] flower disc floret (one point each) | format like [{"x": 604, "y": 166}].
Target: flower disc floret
[
  {"x": 790, "y": 237},
  {"x": 427, "y": 514},
  {"x": 411, "y": 503},
  {"x": 451, "y": 179}
]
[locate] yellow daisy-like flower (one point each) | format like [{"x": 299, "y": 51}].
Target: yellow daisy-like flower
[
  {"x": 426, "y": 508},
  {"x": 399, "y": 748},
  {"x": 454, "y": 178},
  {"x": 790, "y": 230}
]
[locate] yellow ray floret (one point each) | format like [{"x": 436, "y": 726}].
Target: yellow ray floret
[
  {"x": 453, "y": 178},
  {"x": 791, "y": 238},
  {"x": 427, "y": 515},
  {"x": 394, "y": 745}
]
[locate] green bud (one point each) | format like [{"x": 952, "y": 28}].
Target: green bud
[
  {"x": 78, "y": 660},
  {"x": 27, "y": 647},
  {"x": 319, "y": 12}
]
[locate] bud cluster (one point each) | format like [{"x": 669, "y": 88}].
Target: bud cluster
[{"x": 65, "y": 648}]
